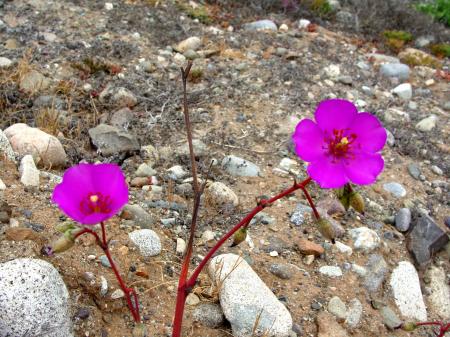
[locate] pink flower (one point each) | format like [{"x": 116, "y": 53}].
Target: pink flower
[
  {"x": 341, "y": 145},
  {"x": 90, "y": 193}
]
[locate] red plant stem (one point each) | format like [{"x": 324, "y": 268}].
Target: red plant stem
[
  {"x": 311, "y": 203},
  {"x": 429, "y": 323},
  {"x": 443, "y": 329},
  {"x": 103, "y": 243},
  {"x": 185, "y": 285}
]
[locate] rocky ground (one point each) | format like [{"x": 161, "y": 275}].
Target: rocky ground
[{"x": 102, "y": 83}]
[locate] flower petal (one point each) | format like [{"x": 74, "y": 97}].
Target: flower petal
[
  {"x": 81, "y": 180},
  {"x": 365, "y": 168},
  {"x": 326, "y": 173},
  {"x": 335, "y": 114},
  {"x": 371, "y": 136},
  {"x": 308, "y": 140}
]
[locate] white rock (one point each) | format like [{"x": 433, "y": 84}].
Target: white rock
[
  {"x": 288, "y": 165},
  {"x": 145, "y": 170},
  {"x": 208, "y": 236},
  {"x": 404, "y": 91},
  {"x": 45, "y": 149},
  {"x": 147, "y": 241},
  {"x": 396, "y": 115},
  {"x": 405, "y": 286},
  {"x": 118, "y": 293},
  {"x": 427, "y": 124},
  {"x": 177, "y": 172},
  {"x": 109, "y": 6},
  {"x": 360, "y": 270},
  {"x": 34, "y": 300},
  {"x": 179, "y": 59},
  {"x": 343, "y": 248},
  {"x": 365, "y": 239},
  {"x": 245, "y": 299},
  {"x": 181, "y": 246},
  {"x": 332, "y": 71},
  {"x": 221, "y": 195},
  {"x": 5, "y": 62},
  {"x": 2, "y": 186},
  {"x": 284, "y": 27},
  {"x": 440, "y": 292},
  {"x": 330, "y": 271},
  {"x": 303, "y": 23},
  {"x": 192, "y": 43},
  {"x": 29, "y": 174},
  {"x": 237, "y": 166},
  {"x": 5, "y": 147},
  {"x": 103, "y": 286},
  {"x": 354, "y": 313}
]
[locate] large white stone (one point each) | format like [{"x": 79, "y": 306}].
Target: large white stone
[
  {"x": 147, "y": 241},
  {"x": 405, "y": 286},
  {"x": 221, "y": 195},
  {"x": 34, "y": 300},
  {"x": 45, "y": 149},
  {"x": 29, "y": 174},
  {"x": 404, "y": 91},
  {"x": 440, "y": 292},
  {"x": 5, "y": 147},
  {"x": 365, "y": 239},
  {"x": 245, "y": 299}
]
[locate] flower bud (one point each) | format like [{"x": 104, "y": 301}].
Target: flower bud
[
  {"x": 239, "y": 236},
  {"x": 140, "y": 330},
  {"x": 357, "y": 202},
  {"x": 64, "y": 226},
  {"x": 326, "y": 229},
  {"x": 62, "y": 244},
  {"x": 409, "y": 326},
  {"x": 343, "y": 194}
]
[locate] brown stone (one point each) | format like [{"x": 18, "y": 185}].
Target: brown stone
[
  {"x": 307, "y": 247},
  {"x": 328, "y": 326},
  {"x": 20, "y": 234},
  {"x": 141, "y": 181}
]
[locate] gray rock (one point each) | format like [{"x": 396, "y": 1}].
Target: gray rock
[
  {"x": 390, "y": 138},
  {"x": 147, "y": 241},
  {"x": 300, "y": 214},
  {"x": 397, "y": 70},
  {"x": 403, "y": 219},
  {"x": 200, "y": 149},
  {"x": 406, "y": 290},
  {"x": 138, "y": 215},
  {"x": 33, "y": 81},
  {"x": 49, "y": 101},
  {"x": 439, "y": 297},
  {"x": 377, "y": 270},
  {"x": 34, "y": 299},
  {"x": 427, "y": 124},
  {"x": 236, "y": 166},
  {"x": 404, "y": 91},
  {"x": 110, "y": 140},
  {"x": 365, "y": 239},
  {"x": 191, "y": 43},
  {"x": 414, "y": 171},
  {"x": 209, "y": 314},
  {"x": 345, "y": 79},
  {"x": 447, "y": 221},
  {"x": 423, "y": 41},
  {"x": 261, "y": 25},
  {"x": 390, "y": 318},
  {"x": 46, "y": 149},
  {"x": 346, "y": 18},
  {"x": 145, "y": 170},
  {"x": 5, "y": 147},
  {"x": 283, "y": 271},
  {"x": 437, "y": 170},
  {"x": 354, "y": 313},
  {"x": 119, "y": 97},
  {"x": 330, "y": 271},
  {"x": 425, "y": 239},
  {"x": 396, "y": 189},
  {"x": 177, "y": 172},
  {"x": 29, "y": 174},
  {"x": 104, "y": 261},
  {"x": 245, "y": 299},
  {"x": 338, "y": 308},
  {"x": 122, "y": 118}
]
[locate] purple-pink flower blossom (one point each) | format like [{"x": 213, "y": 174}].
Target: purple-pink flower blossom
[
  {"x": 90, "y": 193},
  {"x": 341, "y": 145}
]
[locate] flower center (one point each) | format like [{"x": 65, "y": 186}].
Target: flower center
[
  {"x": 340, "y": 144},
  {"x": 95, "y": 203}
]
